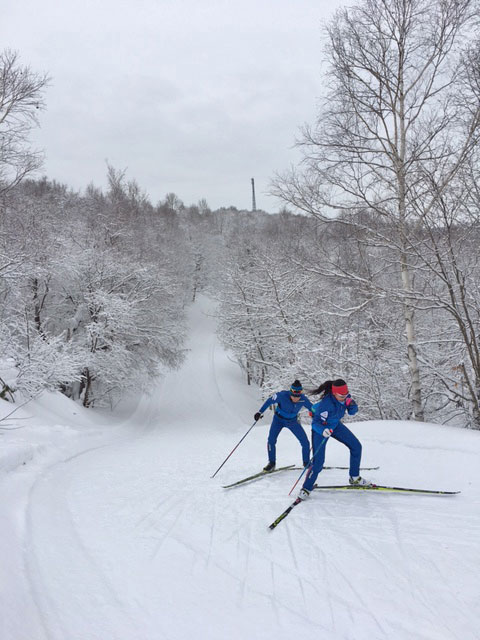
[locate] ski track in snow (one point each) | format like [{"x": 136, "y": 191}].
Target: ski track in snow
[
  {"x": 40, "y": 499},
  {"x": 132, "y": 539}
]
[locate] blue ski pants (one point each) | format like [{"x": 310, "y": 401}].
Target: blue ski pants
[
  {"x": 278, "y": 423},
  {"x": 343, "y": 435}
]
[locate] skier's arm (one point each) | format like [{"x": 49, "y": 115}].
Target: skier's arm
[
  {"x": 352, "y": 406},
  {"x": 268, "y": 403}
]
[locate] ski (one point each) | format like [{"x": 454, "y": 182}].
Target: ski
[
  {"x": 376, "y": 487},
  {"x": 290, "y": 467},
  {"x": 257, "y": 475},
  {"x": 283, "y": 515},
  {"x": 347, "y": 468}
]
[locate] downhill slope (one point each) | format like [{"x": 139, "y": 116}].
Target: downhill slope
[{"x": 123, "y": 535}]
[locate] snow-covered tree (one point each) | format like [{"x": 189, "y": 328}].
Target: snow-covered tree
[
  {"x": 391, "y": 112},
  {"x": 91, "y": 311}
]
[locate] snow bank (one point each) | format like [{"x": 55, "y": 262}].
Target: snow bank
[
  {"x": 44, "y": 429},
  {"x": 14, "y": 455}
]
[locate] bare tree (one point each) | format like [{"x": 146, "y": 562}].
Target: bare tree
[
  {"x": 172, "y": 201},
  {"x": 392, "y": 109},
  {"x": 448, "y": 250},
  {"x": 21, "y": 99}
]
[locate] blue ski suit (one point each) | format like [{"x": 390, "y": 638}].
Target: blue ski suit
[
  {"x": 328, "y": 413},
  {"x": 286, "y": 413}
]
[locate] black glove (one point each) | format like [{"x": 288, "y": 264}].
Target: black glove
[{"x": 258, "y": 416}]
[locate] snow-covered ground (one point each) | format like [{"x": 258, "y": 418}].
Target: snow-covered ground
[{"x": 112, "y": 528}]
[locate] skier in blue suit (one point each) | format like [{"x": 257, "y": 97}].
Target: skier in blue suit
[
  {"x": 326, "y": 423},
  {"x": 287, "y": 406}
]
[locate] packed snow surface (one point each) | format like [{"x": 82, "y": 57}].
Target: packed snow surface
[{"x": 113, "y": 529}]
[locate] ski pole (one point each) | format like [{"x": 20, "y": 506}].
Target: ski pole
[
  {"x": 234, "y": 449},
  {"x": 308, "y": 466}
]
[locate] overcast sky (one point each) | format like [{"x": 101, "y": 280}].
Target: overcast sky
[{"x": 190, "y": 96}]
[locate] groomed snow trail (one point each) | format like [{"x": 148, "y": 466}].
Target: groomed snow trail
[{"x": 135, "y": 541}]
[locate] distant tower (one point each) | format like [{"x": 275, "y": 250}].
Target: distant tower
[{"x": 254, "y": 206}]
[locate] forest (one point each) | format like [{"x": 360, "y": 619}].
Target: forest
[{"x": 369, "y": 270}]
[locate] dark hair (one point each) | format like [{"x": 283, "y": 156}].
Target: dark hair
[{"x": 326, "y": 387}]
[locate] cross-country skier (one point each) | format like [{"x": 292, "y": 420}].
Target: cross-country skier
[
  {"x": 326, "y": 423},
  {"x": 287, "y": 403}
]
